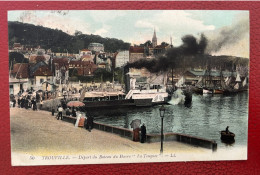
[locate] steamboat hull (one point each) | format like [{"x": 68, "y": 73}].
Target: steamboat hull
[{"x": 122, "y": 103}]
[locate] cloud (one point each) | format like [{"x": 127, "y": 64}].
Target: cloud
[
  {"x": 230, "y": 40},
  {"x": 173, "y": 23},
  {"x": 105, "y": 15},
  {"x": 102, "y": 31},
  {"x": 145, "y": 24},
  {"x": 55, "y": 20}
]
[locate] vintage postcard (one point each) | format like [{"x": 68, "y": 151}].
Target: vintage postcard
[{"x": 128, "y": 86}]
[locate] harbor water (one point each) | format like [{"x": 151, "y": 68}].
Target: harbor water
[{"x": 205, "y": 117}]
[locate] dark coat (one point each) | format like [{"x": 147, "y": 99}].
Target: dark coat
[{"x": 143, "y": 133}]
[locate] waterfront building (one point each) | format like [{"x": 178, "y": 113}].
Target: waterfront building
[
  {"x": 17, "y": 85},
  {"x": 60, "y": 69},
  {"x": 215, "y": 76},
  {"x": 18, "y": 80},
  {"x": 97, "y": 47},
  {"x": 40, "y": 73}
]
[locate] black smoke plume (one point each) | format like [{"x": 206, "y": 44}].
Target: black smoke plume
[
  {"x": 191, "y": 54},
  {"x": 175, "y": 57},
  {"x": 229, "y": 35}
]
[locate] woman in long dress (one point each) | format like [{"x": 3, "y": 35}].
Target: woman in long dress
[{"x": 78, "y": 118}]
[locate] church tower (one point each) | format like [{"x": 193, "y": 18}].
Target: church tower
[{"x": 154, "y": 40}]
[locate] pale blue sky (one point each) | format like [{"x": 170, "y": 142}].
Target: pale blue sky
[{"x": 135, "y": 26}]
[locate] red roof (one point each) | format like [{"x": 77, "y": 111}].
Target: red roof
[
  {"x": 82, "y": 63},
  {"x": 86, "y": 56},
  {"x": 20, "y": 70},
  {"x": 160, "y": 46},
  {"x": 43, "y": 71},
  {"x": 136, "y": 49},
  {"x": 84, "y": 50},
  {"x": 17, "y": 45},
  {"x": 61, "y": 62},
  {"x": 36, "y": 59}
]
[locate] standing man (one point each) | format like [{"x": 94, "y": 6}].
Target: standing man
[
  {"x": 90, "y": 123},
  {"x": 143, "y": 133},
  {"x": 60, "y": 109}
]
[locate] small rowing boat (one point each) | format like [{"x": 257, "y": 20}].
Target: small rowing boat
[{"x": 227, "y": 136}]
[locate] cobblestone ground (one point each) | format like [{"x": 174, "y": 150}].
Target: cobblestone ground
[{"x": 39, "y": 133}]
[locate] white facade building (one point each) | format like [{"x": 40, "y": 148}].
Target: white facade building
[{"x": 122, "y": 58}]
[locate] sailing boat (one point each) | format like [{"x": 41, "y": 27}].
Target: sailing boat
[
  {"x": 238, "y": 81},
  {"x": 180, "y": 83},
  {"x": 207, "y": 88},
  {"x": 236, "y": 85},
  {"x": 214, "y": 86}
]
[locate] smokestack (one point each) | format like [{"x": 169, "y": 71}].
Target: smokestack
[{"x": 127, "y": 79}]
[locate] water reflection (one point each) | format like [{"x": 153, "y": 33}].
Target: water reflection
[{"x": 205, "y": 117}]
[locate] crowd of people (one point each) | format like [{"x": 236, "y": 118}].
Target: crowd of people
[
  {"x": 82, "y": 120},
  {"x": 26, "y": 101},
  {"x": 34, "y": 100}
]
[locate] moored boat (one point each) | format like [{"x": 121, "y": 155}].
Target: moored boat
[
  {"x": 218, "y": 91},
  {"x": 207, "y": 91},
  {"x": 227, "y": 136}
]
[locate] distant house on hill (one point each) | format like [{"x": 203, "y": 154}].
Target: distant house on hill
[
  {"x": 97, "y": 47},
  {"x": 84, "y": 52},
  {"x": 122, "y": 58},
  {"x": 136, "y": 53},
  {"x": 36, "y": 58},
  {"x": 17, "y": 47},
  {"x": 102, "y": 65},
  {"x": 160, "y": 49},
  {"x": 82, "y": 68},
  {"x": 88, "y": 58}
]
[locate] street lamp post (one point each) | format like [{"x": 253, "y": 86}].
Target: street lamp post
[{"x": 162, "y": 110}]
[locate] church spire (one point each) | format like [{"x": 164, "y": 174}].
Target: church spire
[{"x": 154, "y": 40}]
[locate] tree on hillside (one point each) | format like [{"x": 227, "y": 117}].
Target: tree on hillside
[{"x": 57, "y": 40}]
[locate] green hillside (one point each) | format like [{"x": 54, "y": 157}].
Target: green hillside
[{"x": 57, "y": 40}]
